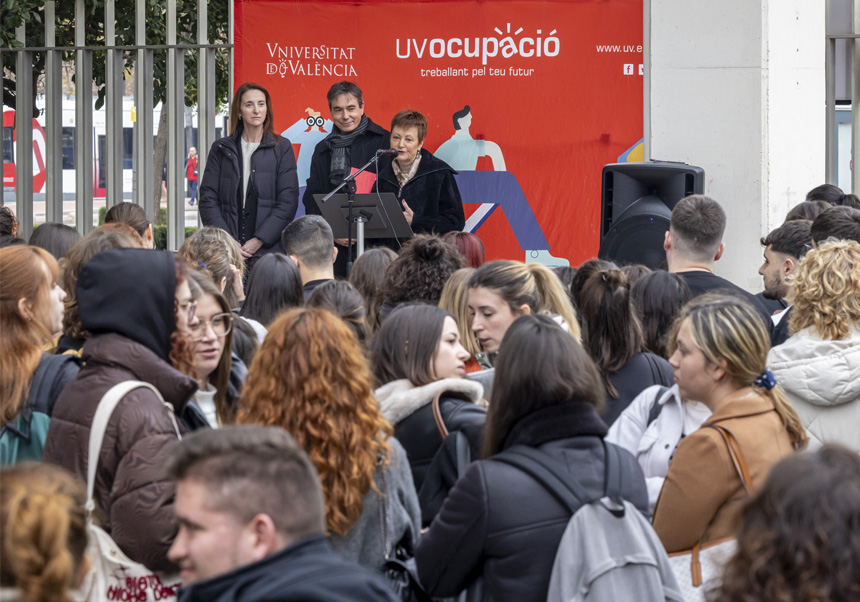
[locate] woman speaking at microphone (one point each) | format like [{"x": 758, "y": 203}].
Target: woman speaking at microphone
[{"x": 424, "y": 185}]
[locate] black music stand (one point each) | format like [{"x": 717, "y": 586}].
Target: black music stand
[{"x": 375, "y": 216}]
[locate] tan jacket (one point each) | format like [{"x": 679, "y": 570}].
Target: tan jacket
[{"x": 702, "y": 495}]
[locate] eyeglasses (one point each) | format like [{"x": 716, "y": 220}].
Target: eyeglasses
[
  {"x": 221, "y": 325},
  {"x": 188, "y": 307}
]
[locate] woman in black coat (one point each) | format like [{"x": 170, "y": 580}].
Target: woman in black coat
[
  {"x": 498, "y": 523},
  {"x": 417, "y": 356},
  {"x": 250, "y": 187},
  {"x": 424, "y": 185}
]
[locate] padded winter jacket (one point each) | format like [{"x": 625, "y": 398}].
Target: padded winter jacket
[
  {"x": 131, "y": 341},
  {"x": 410, "y": 410},
  {"x": 500, "y": 524},
  {"x": 272, "y": 195},
  {"x": 822, "y": 381}
]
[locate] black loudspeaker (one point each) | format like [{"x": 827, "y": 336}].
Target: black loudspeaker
[{"x": 636, "y": 206}]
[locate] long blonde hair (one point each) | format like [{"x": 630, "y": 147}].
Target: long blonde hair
[
  {"x": 826, "y": 289},
  {"x": 455, "y": 300},
  {"x": 531, "y": 284},
  {"x": 728, "y": 328}
]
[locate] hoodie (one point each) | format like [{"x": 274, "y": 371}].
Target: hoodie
[
  {"x": 130, "y": 292},
  {"x": 126, "y": 299}
]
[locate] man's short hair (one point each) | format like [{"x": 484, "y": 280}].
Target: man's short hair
[
  {"x": 344, "y": 87},
  {"x": 698, "y": 223},
  {"x": 251, "y": 470},
  {"x": 310, "y": 239},
  {"x": 793, "y": 238},
  {"x": 459, "y": 115},
  {"x": 841, "y": 223}
]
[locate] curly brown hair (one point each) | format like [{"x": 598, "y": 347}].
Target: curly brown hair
[
  {"x": 798, "y": 538},
  {"x": 421, "y": 270},
  {"x": 311, "y": 378}
]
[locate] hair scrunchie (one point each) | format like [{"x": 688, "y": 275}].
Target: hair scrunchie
[
  {"x": 767, "y": 380},
  {"x": 201, "y": 265}
]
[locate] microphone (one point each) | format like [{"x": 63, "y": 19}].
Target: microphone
[{"x": 387, "y": 151}]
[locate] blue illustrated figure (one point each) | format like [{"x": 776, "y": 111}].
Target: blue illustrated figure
[
  {"x": 462, "y": 152},
  {"x": 492, "y": 189}
]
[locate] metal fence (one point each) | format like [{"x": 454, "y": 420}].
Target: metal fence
[{"x": 144, "y": 164}]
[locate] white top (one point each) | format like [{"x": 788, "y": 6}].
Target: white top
[
  {"x": 206, "y": 401},
  {"x": 248, "y": 149},
  {"x": 778, "y": 316},
  {"x": 259, "y": 329},
  {"x": 654, "y": 445}
]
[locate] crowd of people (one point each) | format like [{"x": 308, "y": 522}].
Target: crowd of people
[{"x": 301, "y": 433}]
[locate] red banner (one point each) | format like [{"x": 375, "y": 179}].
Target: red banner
[{"x": 554, "y": 90}]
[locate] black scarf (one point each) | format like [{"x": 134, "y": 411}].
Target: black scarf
[
  {"x": 339, "y": 143},
  {"x": 575, "y": 419}
]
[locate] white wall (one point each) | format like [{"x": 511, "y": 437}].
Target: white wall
[{"x": 737, "y": 88}]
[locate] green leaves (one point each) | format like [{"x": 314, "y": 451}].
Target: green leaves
[{"x": 31, "y": 13}]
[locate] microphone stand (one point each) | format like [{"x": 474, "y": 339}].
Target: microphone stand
[{"x": 349, "y": 182}]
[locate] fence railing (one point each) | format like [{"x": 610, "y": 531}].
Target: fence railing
[{"x": 114, "y": 58}]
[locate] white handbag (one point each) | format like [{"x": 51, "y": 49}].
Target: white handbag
[
  {"x": 112, "y": 575},
  {"x": 699, "y": 570}
]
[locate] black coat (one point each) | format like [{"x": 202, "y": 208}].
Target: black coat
[
  {"x": 272, "y": 196},
  {"x": 361, "y": 151},
  {"x": 432, "y": 194},
  {"x": 420, "y": 436},
  {"x": 307, "y": 571},
  {"x": 640, "y": 372},
  {"x": 501, "y": 524}
]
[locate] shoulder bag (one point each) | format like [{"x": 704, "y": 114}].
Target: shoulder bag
[
  {"x": 698, "y": 570},
  {"x": 112, "y": 574}
]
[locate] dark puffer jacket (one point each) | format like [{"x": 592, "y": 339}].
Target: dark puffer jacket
[
  {"x": 432, "y": 194},
  {"x": 273, "y": 190},
  {"x": 307, "y": 571},
  {"x": 410, "y": 410},
  {"x": 131, "y": 341},
  {"x": 499, "y": 523}
]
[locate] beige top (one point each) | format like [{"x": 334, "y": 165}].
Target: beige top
[{"x": 403, "y": 178}]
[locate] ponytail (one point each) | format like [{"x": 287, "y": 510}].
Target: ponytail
[
  {"x": 787, "y": 415},
  {"x": 553, "y": 298},
  {"x": 44, "y": 533}
]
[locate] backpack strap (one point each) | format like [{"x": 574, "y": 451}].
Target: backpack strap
[
  {"x": 656, "y": 372},
  {"x": 105, "y": 409},
  {"x": 656, "y": 406},
  {"x": 549, "y": 472}
]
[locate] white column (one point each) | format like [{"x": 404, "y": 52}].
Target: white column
[{"x": 737, "y": 88}]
